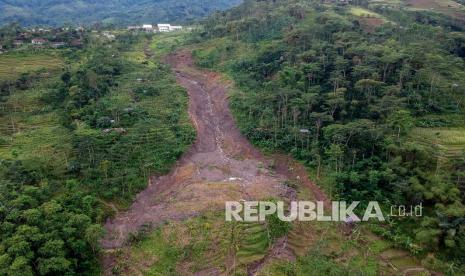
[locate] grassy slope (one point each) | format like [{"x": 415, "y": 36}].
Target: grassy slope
[
  {"x": 28, "y": 130},
  {"x": 362, "y": 12},
  {"x": 446, "y": 142},
  {"x": 446, "y": 7},
  {"x": 12, "y": 64}
]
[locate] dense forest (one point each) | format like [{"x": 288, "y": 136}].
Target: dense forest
[
  {"x": 77, "y": 143},
  {"x": 367, "y": 104},
  {"x": 121, "y": 12}
]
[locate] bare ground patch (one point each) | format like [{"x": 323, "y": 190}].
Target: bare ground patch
[{"x": 369, "y": 24}]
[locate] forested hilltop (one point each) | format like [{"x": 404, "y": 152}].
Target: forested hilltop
[
  {"x": 370, "y": 97},
  {"x": 120, "y": 12}
]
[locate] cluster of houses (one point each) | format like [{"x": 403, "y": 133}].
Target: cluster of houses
[
  {"x": 44, "y": 42},
  {"x": 41, "y": 38},
  {"x": 40, "y": 42},
  {"x": 69, "y": 37},
  {"x": 159, "y": 28}
]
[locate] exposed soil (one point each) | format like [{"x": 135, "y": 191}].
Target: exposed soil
[
  {"x": 221, "y": 165},
  {"x": 369, "y": 24}
]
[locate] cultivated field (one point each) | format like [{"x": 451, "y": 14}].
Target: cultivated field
[
  {"x": 435, "y": 4},
  {"x": 358, "y": 11},
  {"x": 14, "y": 63},
  {"x": 448, "y": 142},
  {"x": 447, "y": 7}
]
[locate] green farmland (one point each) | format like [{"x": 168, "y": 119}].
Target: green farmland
[{"x": 12, "y": 64}]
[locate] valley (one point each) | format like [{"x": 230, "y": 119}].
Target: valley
[
  {"x": 121, "y": 141},
  {"x": 185, "y": 206}
]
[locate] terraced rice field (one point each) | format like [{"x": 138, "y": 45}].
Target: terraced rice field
[
  {"x": 29, "y": 132},
  {"x": 388, "y": 3},
  {"x": 447, "y": 142},
  {"x": 14, "y": 63},
  {"x": 206, "y": 244},
  {"x": 446, "y": 7},
  {"x": 435, "y": 4}
]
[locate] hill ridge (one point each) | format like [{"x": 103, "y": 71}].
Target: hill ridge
[{"x": 120, "y": 12}]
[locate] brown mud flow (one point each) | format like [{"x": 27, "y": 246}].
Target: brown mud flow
[{"x": 221, "y": 165}]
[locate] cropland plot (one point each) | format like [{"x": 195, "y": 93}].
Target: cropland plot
[
  {"x": 165, "y": 43},
  {"x": 14, "y": 63},
  {"x": 23, "y": 110},
  {"x": 358, "y": 11},
  {"x": 447, "y": 7},
  {"x": 435, "y": 4},
  {"x": 387, "y": 3},
  {"x": 449, "y": 142},
  {"x": 29, "y": 132}
]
